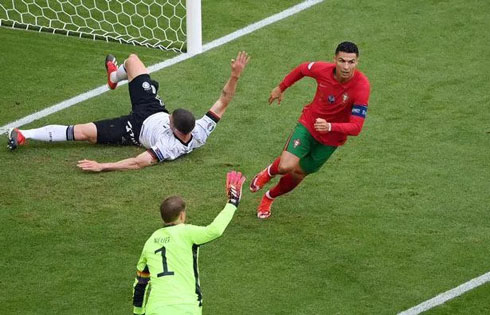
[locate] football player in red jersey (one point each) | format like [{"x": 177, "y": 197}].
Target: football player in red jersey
[{"x": 338, "y": 110}]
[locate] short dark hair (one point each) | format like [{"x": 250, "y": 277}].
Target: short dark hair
[
  {"x": 171, "y": 208},
  {"x": 183, "y": 120},
  {"x": 348, "y": 47}
]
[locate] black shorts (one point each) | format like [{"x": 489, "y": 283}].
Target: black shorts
[{"x": 145, "y": 102}]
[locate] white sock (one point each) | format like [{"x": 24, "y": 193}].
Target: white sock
[
  {"x": 119, "y": 75},
  {"x": 50, "y": 133}
]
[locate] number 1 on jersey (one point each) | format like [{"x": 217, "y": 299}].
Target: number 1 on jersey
[{"x": 164, "y": 262}]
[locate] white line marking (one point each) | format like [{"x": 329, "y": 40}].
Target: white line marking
[
  {"x": 167, "y": 63},
  {"x": 448, "y": 295}
]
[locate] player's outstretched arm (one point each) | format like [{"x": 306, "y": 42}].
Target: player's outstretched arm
[
  {"x": 201, "y": 234},
  {"x": 237, "y": 66},
  {"x": 140, "y": 161}
]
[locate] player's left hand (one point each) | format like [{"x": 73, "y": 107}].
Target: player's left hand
[
  {"x": 322, "y": 126},
  {"x": 88, "y": 165},
  {"x": 234, "y": 183},
  {"x": 238, "y": 64}
]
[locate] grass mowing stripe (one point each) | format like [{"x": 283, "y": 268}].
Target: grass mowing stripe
[
  {"x": 159, "y": 66},
  {"x": 448, "y": 295}
]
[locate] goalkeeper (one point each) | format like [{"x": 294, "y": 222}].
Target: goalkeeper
[
  {"x": 168, "y": 262},
  {"x": 165, "y": 136}
]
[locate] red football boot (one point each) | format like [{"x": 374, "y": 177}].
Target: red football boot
[
  {"x": 260, "y": 180},
  {"x": 264, "y": 209},
  {"x": 110, "y": 66},
  {"x": 16, "y": 138}
]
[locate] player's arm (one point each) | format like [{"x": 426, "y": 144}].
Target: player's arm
[
  {"x": 141, "y": 286},
  {"x": 228, "y": 91},
  {"x": 140, "y": 161},
  {"x": 352, "y": 128},
  {"x": 304, "y": 69},
  {"x": 204, "y": 234}
]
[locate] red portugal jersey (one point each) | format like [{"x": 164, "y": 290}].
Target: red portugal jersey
[{"x": 344, "y": 105}]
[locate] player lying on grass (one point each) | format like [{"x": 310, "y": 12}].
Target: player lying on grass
[
  {"x": 165, "y": 136},
  {"x": 338, "y": 110},
  {"x": 168, "y": 262}
]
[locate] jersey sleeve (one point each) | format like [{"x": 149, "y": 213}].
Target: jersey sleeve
[
  {"x": 204, "y": 127},
  {"x": 204, "y": 234},
  {"x": 304, "y": 69},
  {"x": 163, "y": 152},
  {"x": 141, "y": 286},
  {"x": 358, "y": 113}
]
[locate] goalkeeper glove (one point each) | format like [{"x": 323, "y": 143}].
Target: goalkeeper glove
[{"x": 234, "y": 182}]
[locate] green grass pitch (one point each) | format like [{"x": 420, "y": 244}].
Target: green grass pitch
[{"x": 398, "y": 215}]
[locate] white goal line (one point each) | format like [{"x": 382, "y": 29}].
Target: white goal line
[
  {"x": 167, "y": 63},
  {"x": 448, "y": 295}
]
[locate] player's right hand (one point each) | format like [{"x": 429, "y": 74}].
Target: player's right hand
[
  {"x": 234, "y": 183},
  {"x": 276, "y": 94},
  {"x": 238, "y": 64}
]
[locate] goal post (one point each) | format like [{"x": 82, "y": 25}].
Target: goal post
[
  {"x": 194, "y": 27},
  {"x": 163, "y": 24}
]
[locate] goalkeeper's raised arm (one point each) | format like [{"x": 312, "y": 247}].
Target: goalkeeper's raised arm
[{"x": 168, "y": 261}]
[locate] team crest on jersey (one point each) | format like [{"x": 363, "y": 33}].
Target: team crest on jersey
[
  {"x": 345, "y": 97},
  {"x": 331, "y": 99},
  {"x": 296, "y": 143}
]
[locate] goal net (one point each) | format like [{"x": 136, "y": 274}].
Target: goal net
[{"x": 151, "y": 23}]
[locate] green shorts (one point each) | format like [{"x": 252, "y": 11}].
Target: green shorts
[{"x": 312, "y": 153}]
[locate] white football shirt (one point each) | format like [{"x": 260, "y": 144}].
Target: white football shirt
[{"x": 157, "y": 136}]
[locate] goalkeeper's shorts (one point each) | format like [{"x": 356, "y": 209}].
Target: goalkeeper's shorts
[{"x": 176, "y": 309}]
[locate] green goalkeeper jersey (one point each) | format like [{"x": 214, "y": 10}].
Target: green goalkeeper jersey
[{"x": 169, "y": 263}]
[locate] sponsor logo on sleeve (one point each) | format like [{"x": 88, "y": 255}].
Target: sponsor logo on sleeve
[
  {"x": 310, "y": 65},
  {"x": 359, "y": 110}
]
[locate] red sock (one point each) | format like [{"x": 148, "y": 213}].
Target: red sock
[
  {"x": 285, "y": 185},
  {"x": 274, "y": 167}
]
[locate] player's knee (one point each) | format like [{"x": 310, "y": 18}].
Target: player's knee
[
  {"x": 85, "y": 132},
  {"x": 286, "y": 167},
  {"x": 133, "y": 58},
  {"x": 134, "y": 66}
]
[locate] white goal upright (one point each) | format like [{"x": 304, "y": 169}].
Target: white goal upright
[{"x": 164, "y": 24}]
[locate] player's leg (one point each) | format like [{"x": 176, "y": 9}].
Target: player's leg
[
  {"x": 288, "y": 165},
  {"x": 288, "y": 182},
  {"x": 309, "y": 164},
  {"x": 288, "y": 159},
  {"x": 85, "y": 132},
  {"x": 52, "y": 133},
  {"x": 143, "y": 91},
  {"x": 130, "y": 69},
  {"x": 134, "y": 67},
  {"x": 123, "y": 131},
  {"x": 115, "y": 73}
]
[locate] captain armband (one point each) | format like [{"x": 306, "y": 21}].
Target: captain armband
[{"x": 359, "y": 111}]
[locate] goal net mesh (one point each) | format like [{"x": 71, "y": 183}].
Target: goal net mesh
[{"x": 150, "y": 23}]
